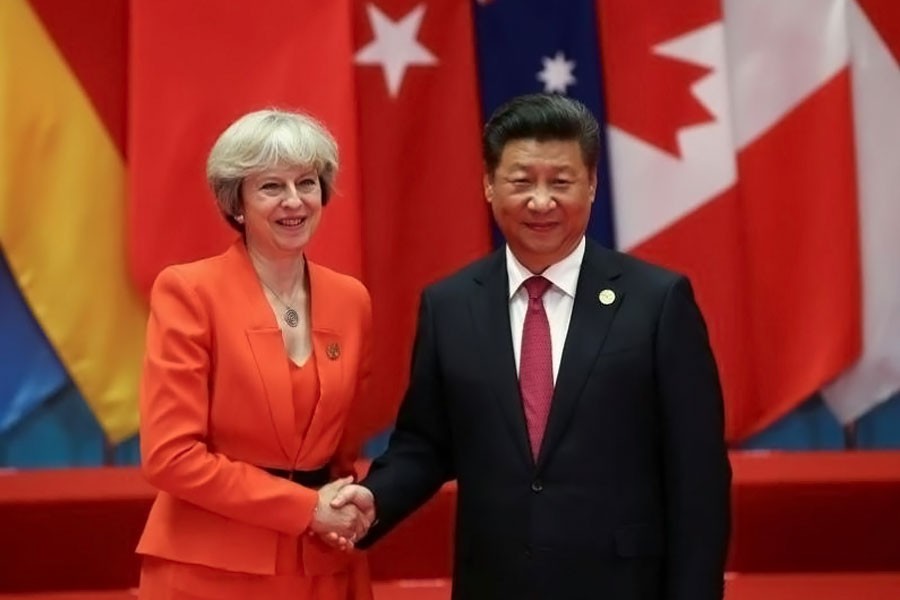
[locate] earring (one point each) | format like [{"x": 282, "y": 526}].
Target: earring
[{"x": 239, "y": 219}]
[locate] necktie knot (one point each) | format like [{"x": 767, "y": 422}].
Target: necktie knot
[{"x": 536, "y": 287}]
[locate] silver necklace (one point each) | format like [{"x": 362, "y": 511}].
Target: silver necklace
[{"x": 290, "y": 315}]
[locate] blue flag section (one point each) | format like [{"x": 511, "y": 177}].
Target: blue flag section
[
  {"x": 44, "y": 421},
  {"x": 30, "y": 371},
  {"x": 527, "y": 46}
]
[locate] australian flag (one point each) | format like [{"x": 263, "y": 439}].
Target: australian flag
[{"x": 527, "y": 46}]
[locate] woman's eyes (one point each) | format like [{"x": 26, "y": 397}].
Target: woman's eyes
[{"x": 304, "y": 185}]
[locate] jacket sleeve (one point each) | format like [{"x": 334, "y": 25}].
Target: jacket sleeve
[
  {"x": 174, "y": 404},
  {"x": 418, "y": 459},
  {"x": 697, "y": 474}
]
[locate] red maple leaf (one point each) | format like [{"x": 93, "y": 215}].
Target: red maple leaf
[{"x": 649, "y": 95}]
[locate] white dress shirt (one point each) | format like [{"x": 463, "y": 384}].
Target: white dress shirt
[{"x": 558, "y": 300}]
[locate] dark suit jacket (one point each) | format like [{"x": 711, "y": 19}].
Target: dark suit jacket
[{"x": 629, "y": 498}]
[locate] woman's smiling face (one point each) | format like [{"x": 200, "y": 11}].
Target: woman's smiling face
[{"x": 282, "y": 208}]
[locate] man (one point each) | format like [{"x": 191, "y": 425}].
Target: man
[{"x": 570, "y": 390}]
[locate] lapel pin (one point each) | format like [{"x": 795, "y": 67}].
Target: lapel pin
[
  {"x": 333, "y": 351},
  {"x": 607, "y": 297}
]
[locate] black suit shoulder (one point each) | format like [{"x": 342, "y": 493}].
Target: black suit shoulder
[
  {"x": 458, "y": 284},
  {"x": 631, "y": 267},
  {"x": 600, "y": 264}
]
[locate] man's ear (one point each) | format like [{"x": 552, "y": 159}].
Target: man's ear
[{"x": 488, "y": 183}]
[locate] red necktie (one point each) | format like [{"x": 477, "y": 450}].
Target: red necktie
[{"x": 536, "y": 363}]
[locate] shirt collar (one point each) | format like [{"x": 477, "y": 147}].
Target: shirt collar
[{"x": 563, "y": 275}]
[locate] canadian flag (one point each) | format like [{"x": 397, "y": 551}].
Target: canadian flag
[
  {"x": 874, "y": 30},
  {"x": 753, "y": 145}
]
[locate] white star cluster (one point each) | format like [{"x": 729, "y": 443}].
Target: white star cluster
[{"x": 557, "y": 73}]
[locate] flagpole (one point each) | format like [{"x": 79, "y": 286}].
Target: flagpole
[
  {"x": 109, "y": 452},
  {"x": 851, "y": 442}
]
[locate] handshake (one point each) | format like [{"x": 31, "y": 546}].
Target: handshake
[{"x": 344, "y": 513}]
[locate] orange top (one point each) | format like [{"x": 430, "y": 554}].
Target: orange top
[
  {"x": 305, "y": 393},
  {"x": 305, "y": 389}
]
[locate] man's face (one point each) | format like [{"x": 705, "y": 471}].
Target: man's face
[{"x": 541, "y": 195}]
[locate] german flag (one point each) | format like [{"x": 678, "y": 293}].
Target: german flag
[{"x": 62, "y": 193}]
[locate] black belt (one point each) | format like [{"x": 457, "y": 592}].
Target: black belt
[{"x": 312, "y": 479}]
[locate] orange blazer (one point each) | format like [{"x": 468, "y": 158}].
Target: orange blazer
[{"x": 216, "y": 406}]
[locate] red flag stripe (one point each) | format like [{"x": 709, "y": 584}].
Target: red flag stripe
[
  {"x": 424, "y": 208},
  {"x": 195, "y": 68},
  {"x": 96, "y": 51}
]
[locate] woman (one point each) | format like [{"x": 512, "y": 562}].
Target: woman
[{"x": 255, "y": 360}]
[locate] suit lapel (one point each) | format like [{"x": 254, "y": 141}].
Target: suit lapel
[
  {"x": 490, "y": 310},
  {"x": 588, "y": 329},
  {"x": 327, "y": 345},
  {"x": 267, "y": 346}
]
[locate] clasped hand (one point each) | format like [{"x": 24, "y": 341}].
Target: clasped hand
[{"x": 344, "y": 513}]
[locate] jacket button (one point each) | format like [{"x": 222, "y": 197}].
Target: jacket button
[{"x": 537, "y": 486}]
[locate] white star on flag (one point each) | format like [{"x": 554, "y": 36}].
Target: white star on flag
[
  {"x": 395, "y": 47},
  {"x": 557, "y": 73}
]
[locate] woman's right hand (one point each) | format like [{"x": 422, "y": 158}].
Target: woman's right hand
[{"x": 339, "y": 526}]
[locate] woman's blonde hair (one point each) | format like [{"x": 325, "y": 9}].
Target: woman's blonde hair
[{"x": 265, "y": 139}]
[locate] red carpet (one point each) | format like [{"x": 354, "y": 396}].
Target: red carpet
[
  {"x": 804, "y": 586},
  {"x": 804, "y": 515}
]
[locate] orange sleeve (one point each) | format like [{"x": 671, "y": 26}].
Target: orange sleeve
[{"x": 174, "y": 405}]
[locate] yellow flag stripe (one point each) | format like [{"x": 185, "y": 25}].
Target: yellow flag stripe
[{"x": 62, "y": 220}]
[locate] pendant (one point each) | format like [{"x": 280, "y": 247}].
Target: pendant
[{"x": 291, "y": 317}]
